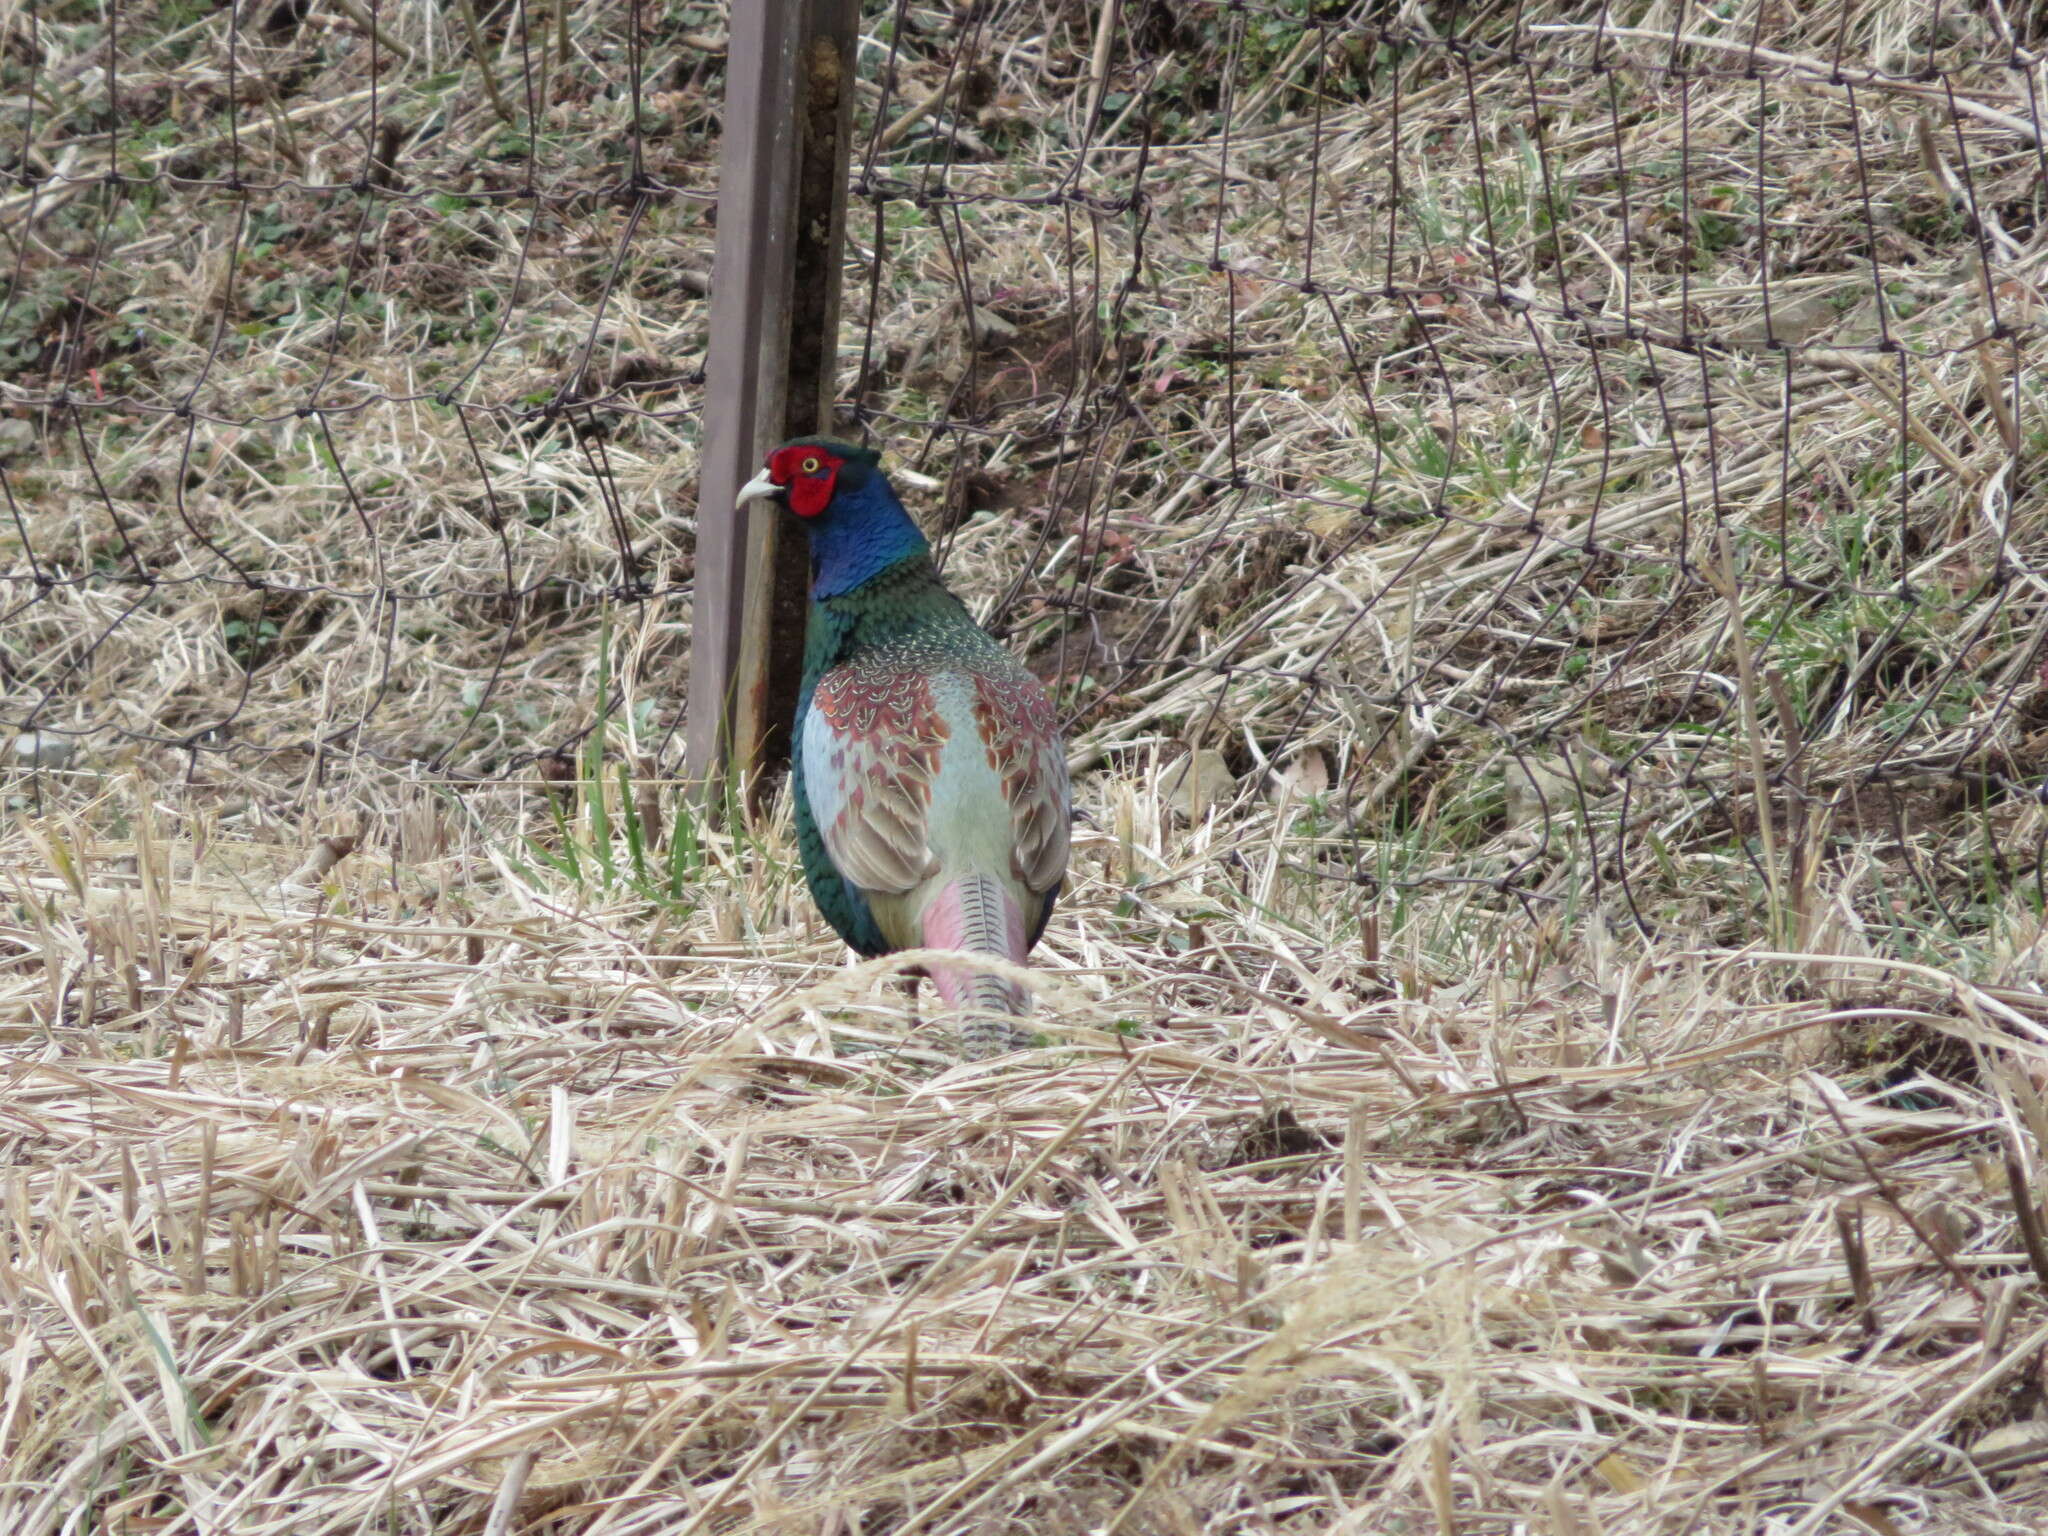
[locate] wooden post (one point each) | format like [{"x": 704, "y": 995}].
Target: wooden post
[{"x": 772, "y": 368}]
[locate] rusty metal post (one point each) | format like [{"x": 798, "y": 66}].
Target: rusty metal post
[{"x": 772, "y": 366}]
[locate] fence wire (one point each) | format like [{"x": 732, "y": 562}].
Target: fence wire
[
  {"x": 1557, "y": 450},
  {"x": 1561, "y": 447}
]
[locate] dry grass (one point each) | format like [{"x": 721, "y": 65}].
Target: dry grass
[
  {"x": 1571, "y": 1078},
  {"x": 436, "y": 1197}
]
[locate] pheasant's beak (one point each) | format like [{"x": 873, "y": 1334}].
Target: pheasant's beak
[{"x": 760, "y": 488}]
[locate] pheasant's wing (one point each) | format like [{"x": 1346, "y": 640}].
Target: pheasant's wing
[
  {"x": 871, "y": 746},
  {"x": 1016, "y": 723}
]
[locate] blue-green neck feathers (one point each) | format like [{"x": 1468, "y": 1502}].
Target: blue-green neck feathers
[{"x": 860, "y": 534}]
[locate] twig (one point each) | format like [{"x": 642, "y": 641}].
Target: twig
[
  {"x": 913, "y": 114},
  {"x": 486, "y": 71},
  {"x": 355, "y": 12},
  {"x": 2025, "y": 1211},
  {"x": 1891, "y": 1198}
]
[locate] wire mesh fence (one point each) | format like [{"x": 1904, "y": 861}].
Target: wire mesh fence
[
  {"x": 1564, "y": 453},
  {"x": 322, "y": 330},
  {"x": 1583, "y": 454}
]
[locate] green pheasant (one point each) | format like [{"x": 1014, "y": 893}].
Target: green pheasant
[{"x": 932, "y": 803}]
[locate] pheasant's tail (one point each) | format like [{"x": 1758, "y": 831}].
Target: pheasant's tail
[{"x": 977, "y": 913}]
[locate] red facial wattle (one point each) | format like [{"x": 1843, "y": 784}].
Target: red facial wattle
[{"x": 809, "y": 475}]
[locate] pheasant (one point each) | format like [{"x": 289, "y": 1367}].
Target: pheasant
[{"x": 932, "y": 804}]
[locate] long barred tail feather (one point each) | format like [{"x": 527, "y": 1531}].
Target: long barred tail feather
[{"x": 977, "y": 913}]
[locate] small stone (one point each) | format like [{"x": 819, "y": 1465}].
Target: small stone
[
  {"x": 1194, "y": 784},
  {"x": 991, "y": 329},
  {"x": 1792, "y": 322},
  {"x": 1305, "y": 774},
  {"x": 43, "y": 749},
  {"x": 2012, "y": 1446},
  {"x": 1547, "y": 787},
  {"x": 1539, "y": 790}
]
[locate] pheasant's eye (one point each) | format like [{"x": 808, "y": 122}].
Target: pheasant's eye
[{"x": 810, "y": 466}]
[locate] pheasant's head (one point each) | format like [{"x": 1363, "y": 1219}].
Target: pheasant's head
[
  {"x": 813, "y": 476},
  {"x": 845, "y": 504}
]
